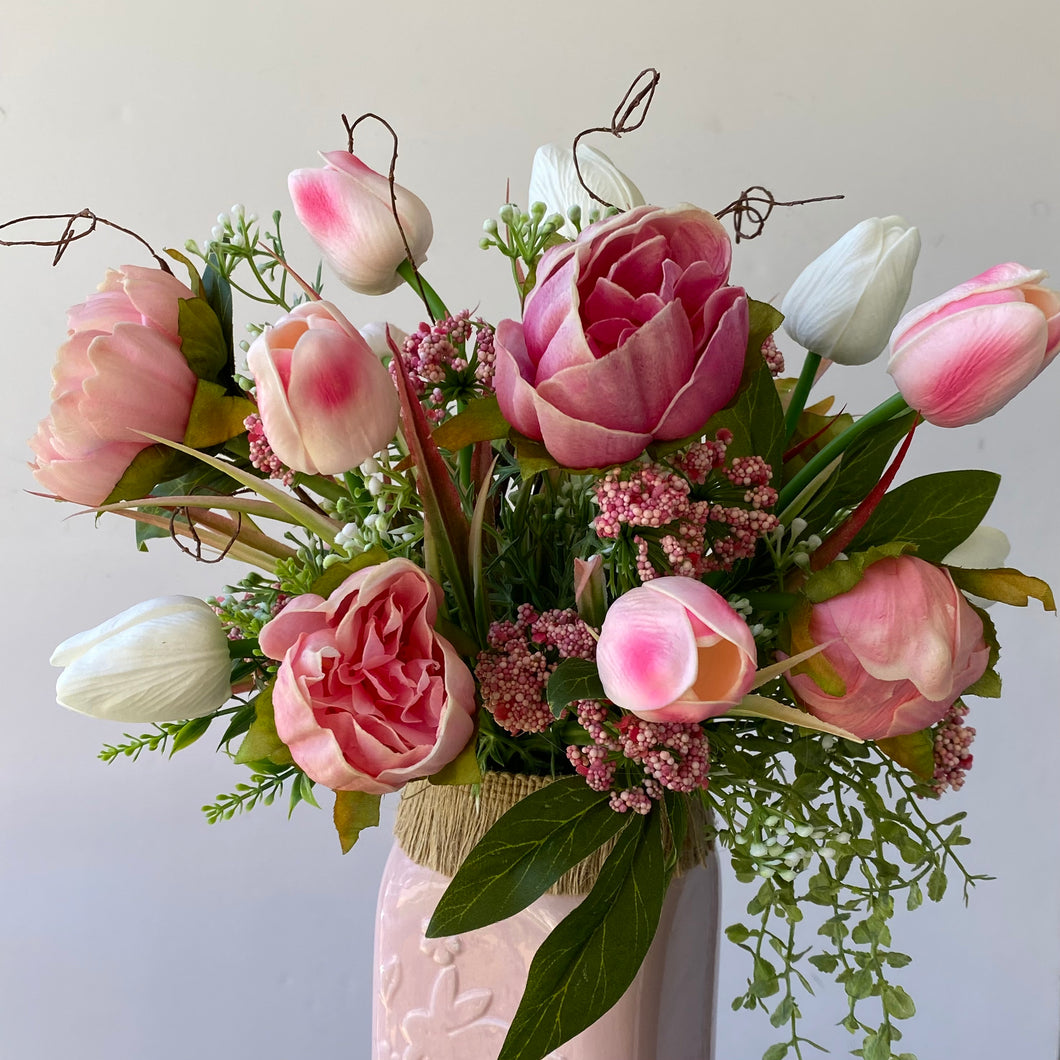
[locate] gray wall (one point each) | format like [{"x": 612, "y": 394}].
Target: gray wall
[{"x": 130, "y": 929}]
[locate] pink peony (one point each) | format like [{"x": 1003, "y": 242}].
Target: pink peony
[
  {"x": 900, "y": 647},
  {"x": 674, "y": 650},
  {"x": 346, "y": 208},
  {"x": 960, "y": 357},
  {"x": 368, "y": 696},
  {"x": 630, "y": 335},
  {"x": 326, "y": 401},
  {"x": 121, "y": 370}
]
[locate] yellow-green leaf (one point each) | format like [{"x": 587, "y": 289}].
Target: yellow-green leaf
[
  {"x": 215, "y": 416},
  {"x": 262, "y": 743},
  {"x": 481, "y": 421},
  {"x": 915, "y": 751},
  {"x": 354, "y": 812},
  {"x": 461, "y": 770},
  {"x": 1004, "y": 584},
  {"x": 337, "y": 573}
]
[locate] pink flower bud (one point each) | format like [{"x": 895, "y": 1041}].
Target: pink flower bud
[
  {"x": 326, "y": 401},
  {"x": 346, "y": 208},
  {"x": 121, "y": 370},
  {"x": 960, "y": 357},
  {"x": 899, "y": 648},
  {"x": 674, "y": 650}
]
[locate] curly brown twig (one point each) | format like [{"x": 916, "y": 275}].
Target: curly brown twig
[
  {"x": 350, "y": 127},
  {"x": 190, "y": 531},
  {"x": 70, "y": 235},
  {"x": 621, "y": 121},
  {"x": 749, "y": 203}
]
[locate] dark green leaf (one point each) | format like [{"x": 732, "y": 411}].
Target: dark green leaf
[
  {"x": 590, "y": 958},
  {"x": 218, "y": 294},
  {"x": 524, "y": 853},
  {"x": 935, "y": 512},
  {"x": 756, "y": 420},
  {"x": 262, "y": 743},
  {"x": 201, "y": 339},
  {"x": 354, "y": 812},
  {"x": 573, "y": 679},
  {"x": 156, "y": 463}
]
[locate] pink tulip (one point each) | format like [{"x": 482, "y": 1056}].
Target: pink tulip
[
  {"x": 900, "y": 647},
  {"x": 121, "y": 370},
  {"x": 960, "y": 357},
  {"x": 326, "y": 401},
  {"x": 368, "y": 696},
  {"x": 674, "y": 650},
  {"x": 346, "y": 208},
  {"x": 630, "y": 335}
]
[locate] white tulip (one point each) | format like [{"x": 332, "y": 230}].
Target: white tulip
[
  {"x": 984, "y": 549},
  {"x": 163, "y": 660},
  {"x": 845, "y": 303},
  {"x": 554, "y": 181},
  {"x": 375, "y": 334}
]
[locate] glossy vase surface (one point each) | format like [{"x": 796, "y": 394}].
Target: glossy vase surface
[{"x": 454, "y": 998}]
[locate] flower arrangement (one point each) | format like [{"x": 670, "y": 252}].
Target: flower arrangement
[{"x": 607, "y": 543}]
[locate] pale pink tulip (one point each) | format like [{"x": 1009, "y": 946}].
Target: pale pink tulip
[
  {"x": 368, "y": 696},
  {"x": 120, "y": 371},
  {"x": 630, "y": 335},
  {"x": 960, "y": 357},
  {"x": 326, "y": 401},
  {"x": 674, "y": 650},
  {"x": 346, "y": 208},
  {"x": 899, "y": 648}
]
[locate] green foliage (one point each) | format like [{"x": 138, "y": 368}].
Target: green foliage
[
  {"x": 267, "y": 781},
  {"x": 592, "y": 955},
  {"x": 524, "y": 853},
  {"x": 572, "y": 680},
  {"x": 354, "y": 812}
]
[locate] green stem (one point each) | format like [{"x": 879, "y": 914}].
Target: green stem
[
  {"x": 435, "y": 306},
  {"x": 895, "y": 405},
  {"x": 800, "y": 393}
]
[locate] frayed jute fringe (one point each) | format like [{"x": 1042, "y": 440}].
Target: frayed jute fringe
[{"x": 438, "y": 824}]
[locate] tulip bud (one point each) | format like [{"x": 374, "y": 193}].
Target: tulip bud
[
  {"x": 346, "y": 207},
  {"x": 163, "y": 660},
  {"x": 962, "y": 356},
  {"x": 674, "y": 650},
  {"x": 554, "y": 182},
  {"x": 326, "y": 401},
  {"x": 845, "y": 303}
]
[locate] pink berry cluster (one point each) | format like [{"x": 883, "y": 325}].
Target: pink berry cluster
[
  {"x": 433, "y": 352},
  {"x": 952, "y": 756},
  {"x": 513, "y": 671},
  {"x": 773, "y": 357},
  {"x": 669, "y": 755},
  {"x": 701, "y": 535},
  {"x": 261, "y": 454}
]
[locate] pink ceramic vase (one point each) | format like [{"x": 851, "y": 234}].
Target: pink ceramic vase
[{"x": 453, "y": 998}]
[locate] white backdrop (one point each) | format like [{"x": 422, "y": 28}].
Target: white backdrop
[{"x": 131, "y": 929}]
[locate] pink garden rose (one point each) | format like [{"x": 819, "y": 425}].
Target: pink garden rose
[
  {"x": 326, "y": 401},
  {"x": 346, "y": 208},
  {"x": 900, "y": 647},
  {"x": 630, "y": 335},
  {"x": 960, "y": 357},
  {"x": 674, "y": 650},
  {"x": 368, "y": 696},
  {"x": 120, "y": 370}
]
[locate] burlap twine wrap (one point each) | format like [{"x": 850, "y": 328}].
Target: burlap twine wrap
[{"x": 438, "y": 824}]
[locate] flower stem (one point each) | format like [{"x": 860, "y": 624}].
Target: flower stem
[
  {"x": 895, "y": 405},
  {"x": 435, "y": 306},
  {"x": 800, "y": 393}
]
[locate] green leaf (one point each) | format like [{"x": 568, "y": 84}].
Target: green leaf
[
  {"x": 859, "y": 985},
  {"x": 824, "y": 962},
  {"x": 464, "y": 769},
  {"x": 202, "y": 340},
  {"x": 590, "y": 958},
  {"x": 539, "y": 839},
  {"x": 573, "y": 679},
  {"x": 937, "y": 885},
  {"x": 782, "y": 1013},
  {"x": 763, "y": 320},
  {"x": 218, "y": 294},
  {"x": 897, "y": 1003},
  {"x": 1004, "y": 584},
  {"x": 737, "y": 933},
  {"x": 935, "y": 512},
  {"x": 215, "y": 416},
  {"x": 841, "y": 576},
  {"x": 776, "y": 1052},
  {"x": 877, "y": 1046},
  {"x": 862, "y": 465},
  {"x": 337, "y": 573},
  {"x": 531, "y": 456},
  {"x": 481, "y": 421},
  {"x": 915, "y": 752},
  {"x": 262, "y": 743},
  {"x": 190, "y": 732},
  {"x": 150, "y": 466},
  {"x": 354, "y": 812}
]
